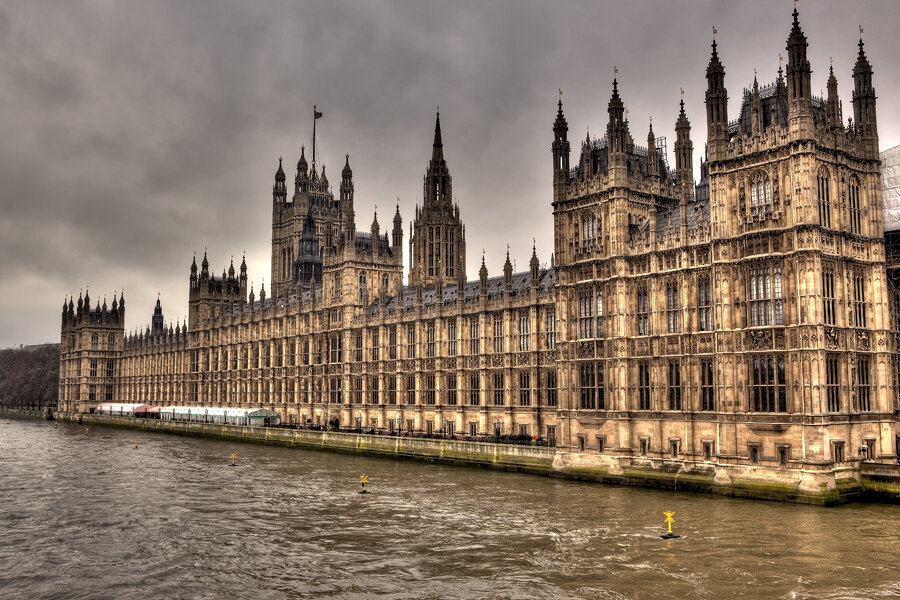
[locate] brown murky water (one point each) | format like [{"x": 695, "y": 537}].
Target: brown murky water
[{"x": 89, "y": 516}]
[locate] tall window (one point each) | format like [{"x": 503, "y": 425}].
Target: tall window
[
  {"x": 704, "y": 304},
  {"x": 411, "y": 389},
  {"x": 429, "y": 345},
  {"x": 588, "y": 228},
  {"x": 586, "y": 315},
  {"x": 524, "y": 389},
  {"x": 593, "y": 390},
  {"x": 828, "y": 296},
  {"x": 357, "y": 390},
  {"x": 392, "y": 389},
  {"x": 429, "y": 389},
  {"x": 863, "y": 387},
  {"x": 410, "y": 341},
  {"x": 392, "y": 343},
  {"x": 94, "y": 367},
  {"x": 766, "y": 305},
  {"x": 551, "y": 329},
  {"x": 859, "y": 299},
  {"x": 552, "y": 399},
  {"x": 674, "y": 385},
  {"x": 760, "y": 195},
  {"x": 644, "y": 386},
  {"x": 375, "y": 344},
  {"x": 473, "y": 335},
  {"x": 498, "y": 389},
  {"x": 362, "y": 287},
  {"x": 110, "y": 342},
  {"x": 824, "y": 200},
  {"x": 474, "y": 390},
  {"x": 109, "y": 368},
  {"x": 768, "y": 392},
  {"x": 832, "y": 382},
  {"x": 672, "y": 307},
  {"x": 449, "y": 255},
  {"x": 373, "y": 390},
  {"x": 359, "y": 347},
  {"x": 95, "y": 341},
  {"x": 498, "y": 335},
  {"x": 707, "y": 390},
  {"x": 599, "y": 304},
  {"x": 451, "y": 341},
  {"x": 853, "y": 201},
  {"x": 335, "y": 345},
  {"x": 451, "y": 390},
  {"x": 524, "y": 332},
  {"x": 335, "y": 392},
  {"x": 643, "y": 311}
]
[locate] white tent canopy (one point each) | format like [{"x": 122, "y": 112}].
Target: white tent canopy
[
  {"x": 116, "y": 408},
  {"x": 890, "y": 186},
  {"x": 218, "y": 414}
]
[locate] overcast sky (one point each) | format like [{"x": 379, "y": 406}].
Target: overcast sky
[{"x": 135, "y": 133}]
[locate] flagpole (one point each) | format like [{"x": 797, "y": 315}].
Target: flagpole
[{"x": 314, "y": 135}]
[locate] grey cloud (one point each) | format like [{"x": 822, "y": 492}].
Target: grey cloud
[{"x": 136, "y": 133}]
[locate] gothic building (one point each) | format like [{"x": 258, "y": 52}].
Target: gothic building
[{"x": 740, "y": 324}]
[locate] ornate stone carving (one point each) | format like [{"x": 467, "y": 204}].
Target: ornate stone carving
[
  {"x": 831, "y": 338},
  {"x": 862, "y": 340},
  {"x": 761, "y": 340}
]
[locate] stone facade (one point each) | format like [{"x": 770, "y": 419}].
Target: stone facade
[{"x": 740, "y": 323}]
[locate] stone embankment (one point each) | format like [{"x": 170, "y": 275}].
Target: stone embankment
[{"x": 857, "y": 481}]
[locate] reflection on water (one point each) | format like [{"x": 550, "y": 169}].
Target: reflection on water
[{"x": 89, "y": 516}]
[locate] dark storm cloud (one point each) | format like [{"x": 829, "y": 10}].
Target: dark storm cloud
[{"x": 136, "y": 133}]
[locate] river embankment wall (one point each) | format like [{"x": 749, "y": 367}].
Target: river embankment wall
[{"x": 813, "y": 484}]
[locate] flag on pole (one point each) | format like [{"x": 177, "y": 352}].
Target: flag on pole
[{"x": 318, "y": 115}]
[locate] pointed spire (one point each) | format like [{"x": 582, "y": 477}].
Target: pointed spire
[
  {"x": 833, "y": 113},
  {"x": 507, "y": 271},
  {"x": 302, "y": 165},
  {"x": 231, "y": 269},
  {"x": 535, "y": 263},
  {"x": 864, "y": 95},
  {"x": 483, "y": 274},
  {"x": 347, "y": 172},
  {"x": 437, "y": 151},
  {"x": 279, "y": 174},
  {"x": 652, "y": 154}
]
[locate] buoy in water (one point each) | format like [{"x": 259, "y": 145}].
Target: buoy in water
[
  {"x": 233, "y": 457},
  {"x": 669, "y": 520},
  {"x": 86, "y": 429},
  {"x": 363, "y": 481},
  {"x": 135, "y": 443}
]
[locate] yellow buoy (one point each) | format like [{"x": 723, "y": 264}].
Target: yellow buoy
[
  {"x": 135, "y": 443},
  {"x": 86, "y": 429},
  {"x": 363, "y": 481},
  {"x": 670, "y": 518},
  {"x": 233, "y": 457}
]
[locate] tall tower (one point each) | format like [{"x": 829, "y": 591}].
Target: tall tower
[
  {"x": 716, "y": 106},
  {"x": 800, "y": 111},
  {"x": 438, "y": 245},
  {"x": 864, "y": 100}
]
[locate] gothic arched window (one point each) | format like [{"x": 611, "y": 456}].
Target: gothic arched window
[
  {"x": 853, "y": 201},
  {"x": 362, "y": 287},
  {"x": 760, "y": 194},
  {"x": 824, "y": 184}
]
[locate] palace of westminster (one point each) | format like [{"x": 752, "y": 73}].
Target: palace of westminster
[{"x": 745, "y": 320}]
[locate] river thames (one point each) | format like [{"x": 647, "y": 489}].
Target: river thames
[{"x": 90, "y": 516}]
